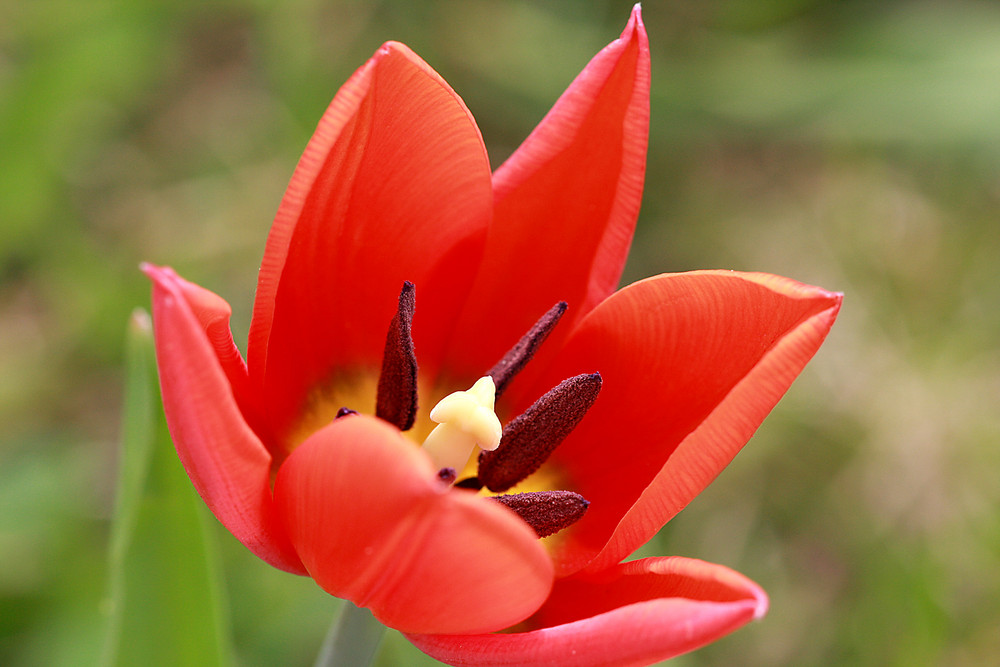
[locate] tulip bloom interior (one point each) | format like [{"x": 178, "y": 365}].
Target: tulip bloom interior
[{"x": 447, "y": 413}]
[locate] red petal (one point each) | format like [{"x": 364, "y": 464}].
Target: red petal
[
  {"x": 565, "y": 205},
  {"x": 691, "y": 364},
  {"x": 636, "y": 613},
  {"x": 393, "y": 186},
  {"x": 224, "y": 458},
  {"x": 373, "y": 524}
]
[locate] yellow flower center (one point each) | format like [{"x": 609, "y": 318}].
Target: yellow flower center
[{"x": 465, "y": 445}]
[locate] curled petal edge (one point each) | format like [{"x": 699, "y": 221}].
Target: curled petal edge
[
  {"x": 226, "y": 461},
  {"x": 641, "y": 612}
]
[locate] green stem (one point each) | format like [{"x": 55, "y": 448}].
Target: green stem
[{"x": 352, "y": 640}]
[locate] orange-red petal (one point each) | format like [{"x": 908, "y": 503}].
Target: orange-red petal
[
  {"x": 393, "y": 186},
  {"x": 566, "y": 203},
  {"x": 224, "y": 458},
  {"x": 373, "y": 524},
  {"x": 691, "y": 364},
  {"x": 636, "y": 613}
]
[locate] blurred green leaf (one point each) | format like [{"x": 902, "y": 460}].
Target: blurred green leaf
[{"x": 165, "y": 599}]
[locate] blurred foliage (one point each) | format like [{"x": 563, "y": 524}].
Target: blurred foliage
[
  {"x": 164, "y": 605},
  {"x": 848, "y": 144}
]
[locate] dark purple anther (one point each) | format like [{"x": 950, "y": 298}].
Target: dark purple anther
[
  {"x": 505, "y": 369},
  {"x": 547, "y": 512},
  {"x": 396, "y": 400},
  {"x": 530, "y": 439}
]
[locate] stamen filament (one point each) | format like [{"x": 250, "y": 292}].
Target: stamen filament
[{"x": 469, "y": 483}]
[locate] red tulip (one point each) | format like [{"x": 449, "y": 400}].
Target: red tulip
[{"x": 665, "y": 380}]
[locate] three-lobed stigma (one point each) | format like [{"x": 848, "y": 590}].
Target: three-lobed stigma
[{"x": 465, "y": 420}]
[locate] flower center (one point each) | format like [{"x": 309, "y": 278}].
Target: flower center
[{"x": 466, "y": 420}]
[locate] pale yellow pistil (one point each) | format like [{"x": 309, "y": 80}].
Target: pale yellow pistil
[{"x": 466, "y": 420}]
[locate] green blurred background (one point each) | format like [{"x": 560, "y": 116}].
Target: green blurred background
[{"x": 853, "y": 145}]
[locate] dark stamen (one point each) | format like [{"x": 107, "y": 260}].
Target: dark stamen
[
  {"x": 505, "y": 369},
  {"x": 447, "y": 475},
  {"x": 547, "y": 512},
  {"x": 530, "y": 439},
  {"x": 343, "y": 412},
  {"x": 469, "y": 483},
  {"x": 396, "y": 400}
]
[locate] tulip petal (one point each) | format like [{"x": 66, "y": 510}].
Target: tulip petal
[
  {"x": 393, "y": 186},
  {"x": 373, "y": 524},
  {"x": 636, "y": 613},
  {"x": 224, "y": 458},
  {"x": 691, "y": 363},
  {"x": 566, "y": 203}
]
